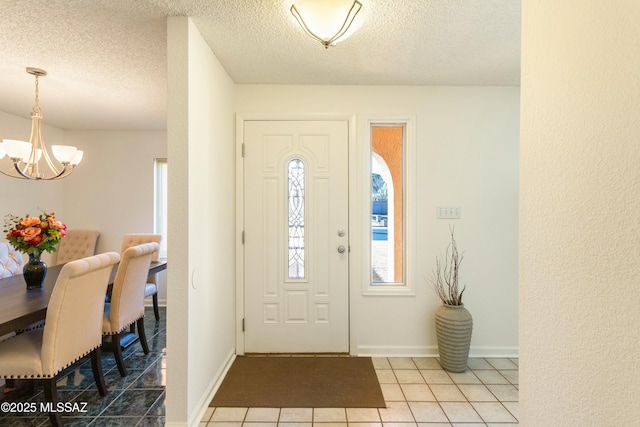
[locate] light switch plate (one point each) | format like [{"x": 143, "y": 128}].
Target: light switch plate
[{"x": 448, "y": 212}]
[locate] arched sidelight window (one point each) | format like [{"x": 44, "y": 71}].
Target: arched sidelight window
[{"x": 387, "y": 206}]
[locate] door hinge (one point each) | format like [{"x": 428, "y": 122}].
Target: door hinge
[
  {"x": 243, "y": 237},
  {"x": 243, "y": 149},
  {"x": 242, "y": 325}
]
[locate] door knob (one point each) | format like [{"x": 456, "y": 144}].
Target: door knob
[{"x": 341, "y": 249}]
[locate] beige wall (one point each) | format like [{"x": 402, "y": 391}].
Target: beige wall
[
  {"x": 466, "y": 155},
  {"x": 580, "y": 214},
  {"x": 112, "y": 189},
  {"x": 200, "y": 320}
]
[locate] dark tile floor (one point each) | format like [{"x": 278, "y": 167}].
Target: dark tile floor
[{"x": 136, "y": 400}]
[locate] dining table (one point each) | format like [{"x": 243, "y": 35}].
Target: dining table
[{"x": 21, "y": 307}]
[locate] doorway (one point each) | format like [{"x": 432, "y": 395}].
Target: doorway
[{"x": 296, "y": 237}]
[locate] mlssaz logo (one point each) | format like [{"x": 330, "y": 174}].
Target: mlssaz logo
[{"x": 63, "y": 407}]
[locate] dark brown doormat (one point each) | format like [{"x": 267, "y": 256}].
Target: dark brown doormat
[{"x": 300, "y": 382}]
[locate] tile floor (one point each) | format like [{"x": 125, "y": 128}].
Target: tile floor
[
  {"x": 417, "y": 391},
  {"x": 136, "y": 400}
]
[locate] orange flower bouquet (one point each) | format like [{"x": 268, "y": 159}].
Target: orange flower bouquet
[{"x": 32, "y": 235}]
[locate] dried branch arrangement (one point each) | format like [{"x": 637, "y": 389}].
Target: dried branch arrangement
[{"x": 445, "y": 276}]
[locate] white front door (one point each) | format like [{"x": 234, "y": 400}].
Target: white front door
[{"x": 296, "y": 238}]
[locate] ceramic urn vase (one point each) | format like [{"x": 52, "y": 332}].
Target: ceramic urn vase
[{"x": 453, "y": 330}]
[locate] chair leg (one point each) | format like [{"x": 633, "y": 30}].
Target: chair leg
[
  {"x": 142, "y": 335},
  {"x": 117, "y": 353},
  {"x": 32, "y": 388},
  {"x": 51, "y": 395},
  {"x": 156, "y": 309},
  {"x": 96, "y": 366}
]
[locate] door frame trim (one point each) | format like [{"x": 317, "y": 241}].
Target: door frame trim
[{"x": 241, "y": 118}]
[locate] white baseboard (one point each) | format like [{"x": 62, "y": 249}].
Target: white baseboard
[
  {"x": 431, "y": 351},
  {"x": 213, "y": 387},
  {"x": 499, "y": 352},
  {"x": 396, "y": 351},
  {"x": 148, "y": 302}
]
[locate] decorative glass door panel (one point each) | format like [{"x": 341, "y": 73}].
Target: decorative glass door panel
[{"x": 296, "y": 217}]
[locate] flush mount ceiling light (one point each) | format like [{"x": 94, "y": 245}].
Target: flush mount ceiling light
[
  {"x": 327, "y": 21},
  {"x": 27, "y": 156}
]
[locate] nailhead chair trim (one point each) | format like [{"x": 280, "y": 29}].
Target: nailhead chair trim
[
  {"x": 72, "y": 330},
  {"x": 35, "y": 376},
  {"x": 72, "y": 314}
]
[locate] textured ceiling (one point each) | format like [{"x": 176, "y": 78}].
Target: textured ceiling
[{"x": 106, "y": 59}]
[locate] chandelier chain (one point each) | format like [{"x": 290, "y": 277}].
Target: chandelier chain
[{"x": 36, "y": 107}]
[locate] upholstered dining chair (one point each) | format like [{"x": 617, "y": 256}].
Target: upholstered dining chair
[
  {"x": 75, "y": 245},
  {"x": 127, "y": 299},
  {"x": 11, "y": 261},
  {"x": 151, "y": 288},
  {"x": 73, "y": 329}
]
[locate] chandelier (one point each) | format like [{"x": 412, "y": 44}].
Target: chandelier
[
  {"x": 31, "y": 159},
  {"x": 327, "y": 21}
]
